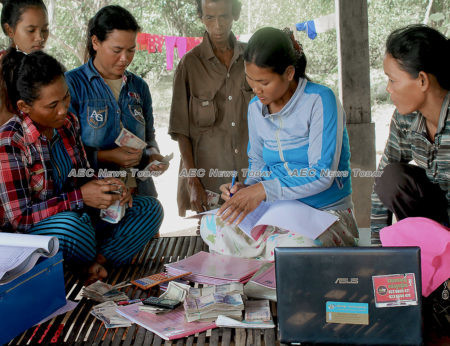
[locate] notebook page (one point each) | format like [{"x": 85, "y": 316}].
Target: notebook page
[
  {"x": 20, "y": 252},
  {"x": 298, "y": 218}
]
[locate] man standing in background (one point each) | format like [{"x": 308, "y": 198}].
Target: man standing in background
[{"x": 208, "y": 116}]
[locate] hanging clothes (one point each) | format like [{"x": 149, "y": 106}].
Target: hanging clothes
[
  {"x": 171, "y": 43},
  {"x": 155, "y": 43},
  {"x": 192, "y": 42},
  {"x": 142, "y": 41},
  {"x": 318, "y": 25}
]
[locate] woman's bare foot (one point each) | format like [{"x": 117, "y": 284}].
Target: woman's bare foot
[
  {"x": 100, "y": 259},
  {"x": 95, "y": 272}
]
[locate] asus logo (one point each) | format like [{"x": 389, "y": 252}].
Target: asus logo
[{"x": 346, "y": 281}]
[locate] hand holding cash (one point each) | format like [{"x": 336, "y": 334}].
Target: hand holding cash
[
  {"x": 129, "y": 139},
  {"x": 116, "y": 211},
  {"x": 158, "y": 164}
]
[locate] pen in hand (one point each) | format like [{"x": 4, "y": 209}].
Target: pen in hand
[{"x": 233, "y": 180}]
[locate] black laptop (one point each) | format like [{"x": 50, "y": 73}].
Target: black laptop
[{"x": 349, "y": 295}]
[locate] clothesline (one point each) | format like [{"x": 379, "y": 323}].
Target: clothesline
[{"x": 154, "y": 43}]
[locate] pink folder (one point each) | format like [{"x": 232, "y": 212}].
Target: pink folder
[
  {"x": 214, "y": 268},
  {"x": 170, "y": 325}
]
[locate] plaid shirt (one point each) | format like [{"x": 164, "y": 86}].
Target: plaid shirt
[
  {"x": 27, "y": 191},
  {"x": 408, "y": 141}
]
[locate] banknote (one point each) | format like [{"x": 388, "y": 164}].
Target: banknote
[
  {"x": 114, "y": 213},
  {"x": 129, "y": 139},
  {"x": 210, "y": 306},
  {"x": 257, "y": 310},
  {"x": 106, "y": 312},
  {"x": 176, "y": 291},
  {"x": 233, "y": 287},
  {"x": 102, "y": 292},
  {"x": 212, "y": 198},
  {"x": 153, "y": 309},
  {"x": 165, "y": 161}
]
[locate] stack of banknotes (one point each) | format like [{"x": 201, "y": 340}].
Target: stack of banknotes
[
  {"x": 102, "y": 292},
  {"x": 206, "y": 304},
  {"x": 106, "y": 312},
  {"x": 175, "y": 291}
]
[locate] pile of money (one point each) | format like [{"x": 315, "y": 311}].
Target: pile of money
[
  {"x": 106, "y": 312},
  {"x": 175, "y": 291},
  {"x": 257, "y": 311},
  {"x": 153, "y": 309},
  {"x": 102, "y": 292},
  {"x": 207, "y": 303},
  {"x": 231, "y": 288}
]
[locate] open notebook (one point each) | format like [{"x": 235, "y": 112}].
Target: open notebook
[{"x": 20, "y": 252}]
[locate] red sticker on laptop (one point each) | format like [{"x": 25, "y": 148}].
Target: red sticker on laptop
[{"x": 394, "y": 290}]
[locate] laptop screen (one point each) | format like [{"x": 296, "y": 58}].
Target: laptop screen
[{"x": 349, "y": 295}]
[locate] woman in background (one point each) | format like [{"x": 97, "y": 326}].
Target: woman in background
[
  {"x": 294, "y": 125},
  {"x": 416, "y": 161},
  {"x": 416, "y": 63},
  {"x": 25, "y": 22}
]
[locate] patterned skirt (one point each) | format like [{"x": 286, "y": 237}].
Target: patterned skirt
[{"x": 230, "y": 240}]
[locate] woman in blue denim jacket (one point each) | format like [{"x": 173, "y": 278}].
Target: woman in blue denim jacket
[{"x": 106, "y": 98}]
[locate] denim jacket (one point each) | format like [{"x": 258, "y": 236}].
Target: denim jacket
[{"x": 100, "y": 114}]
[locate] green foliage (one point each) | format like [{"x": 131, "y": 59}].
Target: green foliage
[
  {"x": 386, "y": 16},
  {"x": 68, "y": 22}
]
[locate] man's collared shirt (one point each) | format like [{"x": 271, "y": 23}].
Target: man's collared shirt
[
  {"x": 27, "y": 191},
  {"x": 408, "y": 141},
  {"x": 209, "y": 106}
]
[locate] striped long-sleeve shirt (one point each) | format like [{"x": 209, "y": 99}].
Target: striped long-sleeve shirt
[
  {"x": 408, "y": 141},
  {"x": 301, "y": 152}
]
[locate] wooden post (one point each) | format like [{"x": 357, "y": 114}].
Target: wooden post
[{"x": 354, "y": 89}]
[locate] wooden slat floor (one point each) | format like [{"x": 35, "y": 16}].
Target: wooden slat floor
[{"x": 79, "y": 327}]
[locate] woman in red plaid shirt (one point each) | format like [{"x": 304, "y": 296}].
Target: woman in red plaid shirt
[{"x": 40, "y": 148}]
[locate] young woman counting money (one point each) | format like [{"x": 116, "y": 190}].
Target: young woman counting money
[
  {"x": 40, "y": 147},
  {"x": 113, "y": 104},
  {"x": 294, "y": 125}
]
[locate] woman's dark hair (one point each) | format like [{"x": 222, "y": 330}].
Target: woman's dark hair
[
  {"x": 23, "y": 75},
  {"x": 421, "y": 48},
  {"x": 273, "y": 48},
  {"x": 13, "y": 9},
  {"x": 108, "y": 19},
  {"x": 235, "y": 6}
]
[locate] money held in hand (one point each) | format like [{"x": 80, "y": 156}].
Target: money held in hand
[
  {"x": 165, "y": 161},
  {"x": 129, "y": 139},
  {"x": 114, "y": 213}
]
